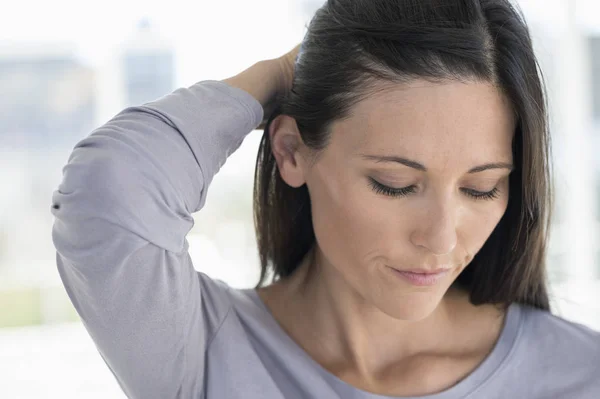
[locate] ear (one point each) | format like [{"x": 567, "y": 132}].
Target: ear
[{"x": 288, "y": 149}]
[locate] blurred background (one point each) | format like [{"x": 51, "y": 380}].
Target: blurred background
[{"x": 67, "y": 67}]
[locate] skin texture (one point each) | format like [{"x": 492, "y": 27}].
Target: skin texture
[{"x": 345, "y": 306}]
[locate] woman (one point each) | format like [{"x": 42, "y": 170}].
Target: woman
[{"x": 402, "y": 198}]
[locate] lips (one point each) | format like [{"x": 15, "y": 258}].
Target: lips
[
  {"x": 426, "y": 271},
  {"x": 421, "y": 277}
]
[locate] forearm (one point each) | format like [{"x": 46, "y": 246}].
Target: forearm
[
  {"x": 258, "y": 81},
  {"x": 149, "y": 167}
]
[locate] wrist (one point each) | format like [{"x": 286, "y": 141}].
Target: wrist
[{"x": 259, "y": 80}]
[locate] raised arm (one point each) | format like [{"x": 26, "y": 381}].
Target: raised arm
[{"x": 122, "y": 212}]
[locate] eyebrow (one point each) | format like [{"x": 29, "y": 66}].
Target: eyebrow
[{"x": 418, "y": 166}]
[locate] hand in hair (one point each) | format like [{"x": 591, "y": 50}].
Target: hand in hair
[{"x": 267, "y": 80}]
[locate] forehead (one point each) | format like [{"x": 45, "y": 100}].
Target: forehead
[{"x": 435, "y": 123}]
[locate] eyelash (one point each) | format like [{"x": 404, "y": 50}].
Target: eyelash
[{"x": 402, "y": 192}]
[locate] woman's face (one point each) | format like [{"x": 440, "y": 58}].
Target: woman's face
[{"x": 416, "y": 179}]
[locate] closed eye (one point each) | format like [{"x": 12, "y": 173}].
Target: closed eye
[
  {"x": 484, "y": 195},
  {"x": 390, "y": 191},
  {"x": 380, "y": 188}
]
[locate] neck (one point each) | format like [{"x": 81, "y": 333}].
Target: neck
[{"x": 344, "y": 333}]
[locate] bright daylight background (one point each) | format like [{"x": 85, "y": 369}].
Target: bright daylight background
[{"x": 68, "y": 66}]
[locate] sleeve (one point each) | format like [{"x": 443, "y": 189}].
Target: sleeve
[{"x": 122, "y": 212}]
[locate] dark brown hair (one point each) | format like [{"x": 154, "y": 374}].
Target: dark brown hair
[{"x": 353, "y": 44}]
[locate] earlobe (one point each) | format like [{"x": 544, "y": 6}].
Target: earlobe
[{"x": 286, "y": 145}]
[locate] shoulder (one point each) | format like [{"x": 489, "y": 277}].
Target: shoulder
[
  {"x": 556, "y": 332},
  {"x": 559, "y": 347}
]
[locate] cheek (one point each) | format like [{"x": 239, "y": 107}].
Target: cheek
[
  {"x": 346, "y": 219},
  {"x": 480, "y": 225}
]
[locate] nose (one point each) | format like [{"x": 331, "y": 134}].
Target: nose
[{"x": 436, "y": 230}]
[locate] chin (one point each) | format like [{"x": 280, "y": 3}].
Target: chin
[{"x": 413, "y": 306}]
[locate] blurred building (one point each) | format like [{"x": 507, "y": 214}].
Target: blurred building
[
  {"x": 594, "y": 49},
  {"x": 148, "y": 65},
  {"x": 47, "y": 95}
]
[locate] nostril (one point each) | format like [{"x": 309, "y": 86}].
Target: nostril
[{"x": 55, "y": 206}]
